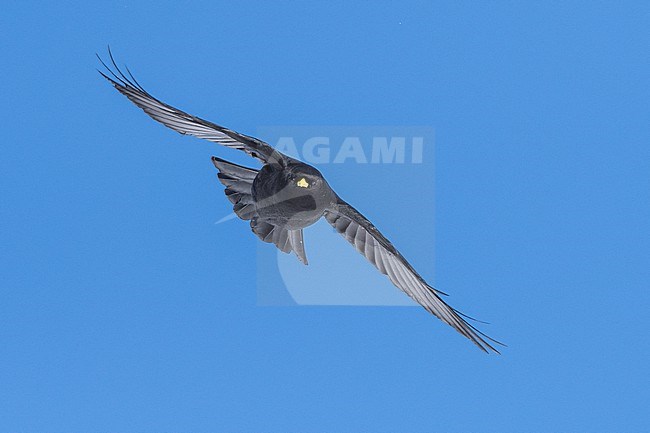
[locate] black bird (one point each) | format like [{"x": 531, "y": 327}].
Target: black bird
[{"x": 286, "y": 195}]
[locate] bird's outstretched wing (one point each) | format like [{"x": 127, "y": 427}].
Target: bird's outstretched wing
[
  {"x": 183, "y": 122},
  {"x": 365, "y": 237}
]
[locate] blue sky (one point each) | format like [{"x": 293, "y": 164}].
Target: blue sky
[{"x": 123, "y": 307}]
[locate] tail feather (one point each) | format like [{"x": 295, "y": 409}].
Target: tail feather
[{"x": 238, "y": 181}]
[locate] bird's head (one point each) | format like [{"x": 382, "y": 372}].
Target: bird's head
[{"x": 304, "y": 178}]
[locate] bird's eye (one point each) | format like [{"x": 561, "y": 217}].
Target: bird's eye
[{"x": 302, "y": 183}]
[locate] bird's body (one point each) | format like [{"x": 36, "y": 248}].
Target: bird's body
[
  {"x": 285, "y": 196},
  {"x": 291, "y": 194}
]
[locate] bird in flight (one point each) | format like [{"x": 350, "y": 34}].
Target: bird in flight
[{"x": 286, "y": 195}]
